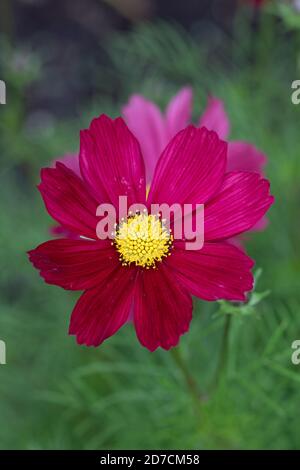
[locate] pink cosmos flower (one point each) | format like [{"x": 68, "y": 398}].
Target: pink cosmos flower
[
  {"x": 155, "y": 129},
  {"x": 152, "y": 282},
  {"x": 71, "y": 160}
]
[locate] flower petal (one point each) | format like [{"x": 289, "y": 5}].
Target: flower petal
[
  {"x": 70, "y": 160},
  {"x": 74, "y": 264},
  {"x": 162, "y": 310},
  {"x": 147, "y": 123},
  {"x": 190, "y": 169},
  {"x": 243, "y": 156},
  {"x": 101, "y": 311},
  {"x": 217, "y": 271},
  {"x": 215, "y": 118},
  {"x": 179, "y": 111},
  {"x": 68, "y": 200},
  {"x": 241, "y": 202},
  {"x": 111, "y": 161}
]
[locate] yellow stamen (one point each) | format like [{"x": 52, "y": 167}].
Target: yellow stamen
[{"x": 143, "y": 239}]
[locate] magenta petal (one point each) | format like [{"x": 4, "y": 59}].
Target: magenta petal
[
  {"x": 215, "y": 118},
  {"x": 243, "y": 156},
  {"x": 68, "y": 200},
  {"x": 111, "y": 161},
  {"x": 179, "y": 111},
  {"x": 71, "y": 161},
  {"x": 101, "y": 311},
  {"x": 217, "y": 271},
  {"x": 74, "y": 264},
  {"x": 241, "y": 202},
  {"x": 162, "y": 309},
  {"x": 190, "y": 169},
  {"x": 147, "y": 123}
]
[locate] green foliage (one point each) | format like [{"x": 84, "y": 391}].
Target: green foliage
[
  {"x": 244, "y": 308},
  {"x": 288, "y": 13},
  {"x": 55, "y": 394}
]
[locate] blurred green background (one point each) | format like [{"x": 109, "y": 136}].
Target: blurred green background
[{"x": 65, "y": 64}]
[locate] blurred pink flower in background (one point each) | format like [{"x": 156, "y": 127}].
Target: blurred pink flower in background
[
  {"x": 154, "y": 129},
  {"x": 71, "y": 160}
]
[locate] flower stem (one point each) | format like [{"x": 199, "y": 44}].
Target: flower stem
[
  {"x": 223, "y": 357},
  {"x": 189, "y": 379}
]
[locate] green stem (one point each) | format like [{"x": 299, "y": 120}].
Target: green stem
[
  {"x": 223, "y": 357},
  {"x": 189, "y": 379}
]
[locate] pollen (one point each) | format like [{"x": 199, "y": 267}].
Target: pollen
[{"x": 143, "y": 240}]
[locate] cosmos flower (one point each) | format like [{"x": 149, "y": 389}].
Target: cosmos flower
[
  {"x": 149, "y": 279},
  {"x": 155, "y": 129}
]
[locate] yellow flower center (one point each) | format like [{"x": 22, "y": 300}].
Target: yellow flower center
[{"x": 142, "y": 239}]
